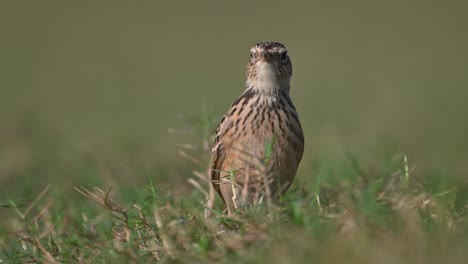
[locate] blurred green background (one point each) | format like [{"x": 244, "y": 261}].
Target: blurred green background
[{"x": 89, "y": 90}]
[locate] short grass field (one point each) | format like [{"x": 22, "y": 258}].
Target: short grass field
[
  {"x": 107, "y": 113},
  {"x": 346, "y": 213}
]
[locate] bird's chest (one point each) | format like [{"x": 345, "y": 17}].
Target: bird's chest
[{"x": 265, "y": 133}]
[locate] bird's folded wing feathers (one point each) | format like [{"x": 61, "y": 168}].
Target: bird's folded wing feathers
[{"x": 217, "y": 158}]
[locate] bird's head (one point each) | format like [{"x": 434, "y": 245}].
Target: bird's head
[{"x": 269, "y": 68}]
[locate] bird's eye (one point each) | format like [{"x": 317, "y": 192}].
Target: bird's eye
[
  {"x": 284, "y": 56},
  {"x": 252, "y": 55}
]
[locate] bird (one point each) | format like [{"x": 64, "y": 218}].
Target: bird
[{"x": 259, "y": 142}]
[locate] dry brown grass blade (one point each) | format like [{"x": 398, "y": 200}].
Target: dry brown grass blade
[
  {"x": 37, "y": 244},
  {"x": 211, "y": 195},
  {"x": 43, "y": 211},
  {"x": 47, "y": 255},
  {"x": 149, "y": 245},
  {"x": 33, "y": 204},
  {"x": 201, "y": 176},
  {"x": 167, "y": 244},
  {"x": 198, "y": 187},
  {"x": 103, "y": 199},
  {"x": 188, "y": 146},
  {"x": 191, "y": 158}
]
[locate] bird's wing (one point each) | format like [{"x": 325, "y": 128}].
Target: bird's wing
[
  {"x": 218, "y": 155},
  {"x": 220, "y": 145}
]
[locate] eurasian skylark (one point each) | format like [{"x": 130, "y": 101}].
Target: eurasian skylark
[{"x": 259, "y": 142}]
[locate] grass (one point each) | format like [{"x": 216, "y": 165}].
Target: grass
[{"x": 386, "y": 214}]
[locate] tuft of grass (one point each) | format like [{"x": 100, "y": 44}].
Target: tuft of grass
[{"x": 347, "y": 214}]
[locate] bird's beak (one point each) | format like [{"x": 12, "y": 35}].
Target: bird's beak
[{"x": 266, "y": 56}]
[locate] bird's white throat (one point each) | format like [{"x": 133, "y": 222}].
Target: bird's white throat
[{"x": 266, "y": 80}]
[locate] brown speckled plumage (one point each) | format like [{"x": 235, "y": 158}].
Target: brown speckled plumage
[{"x": 242, "y": 170}]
